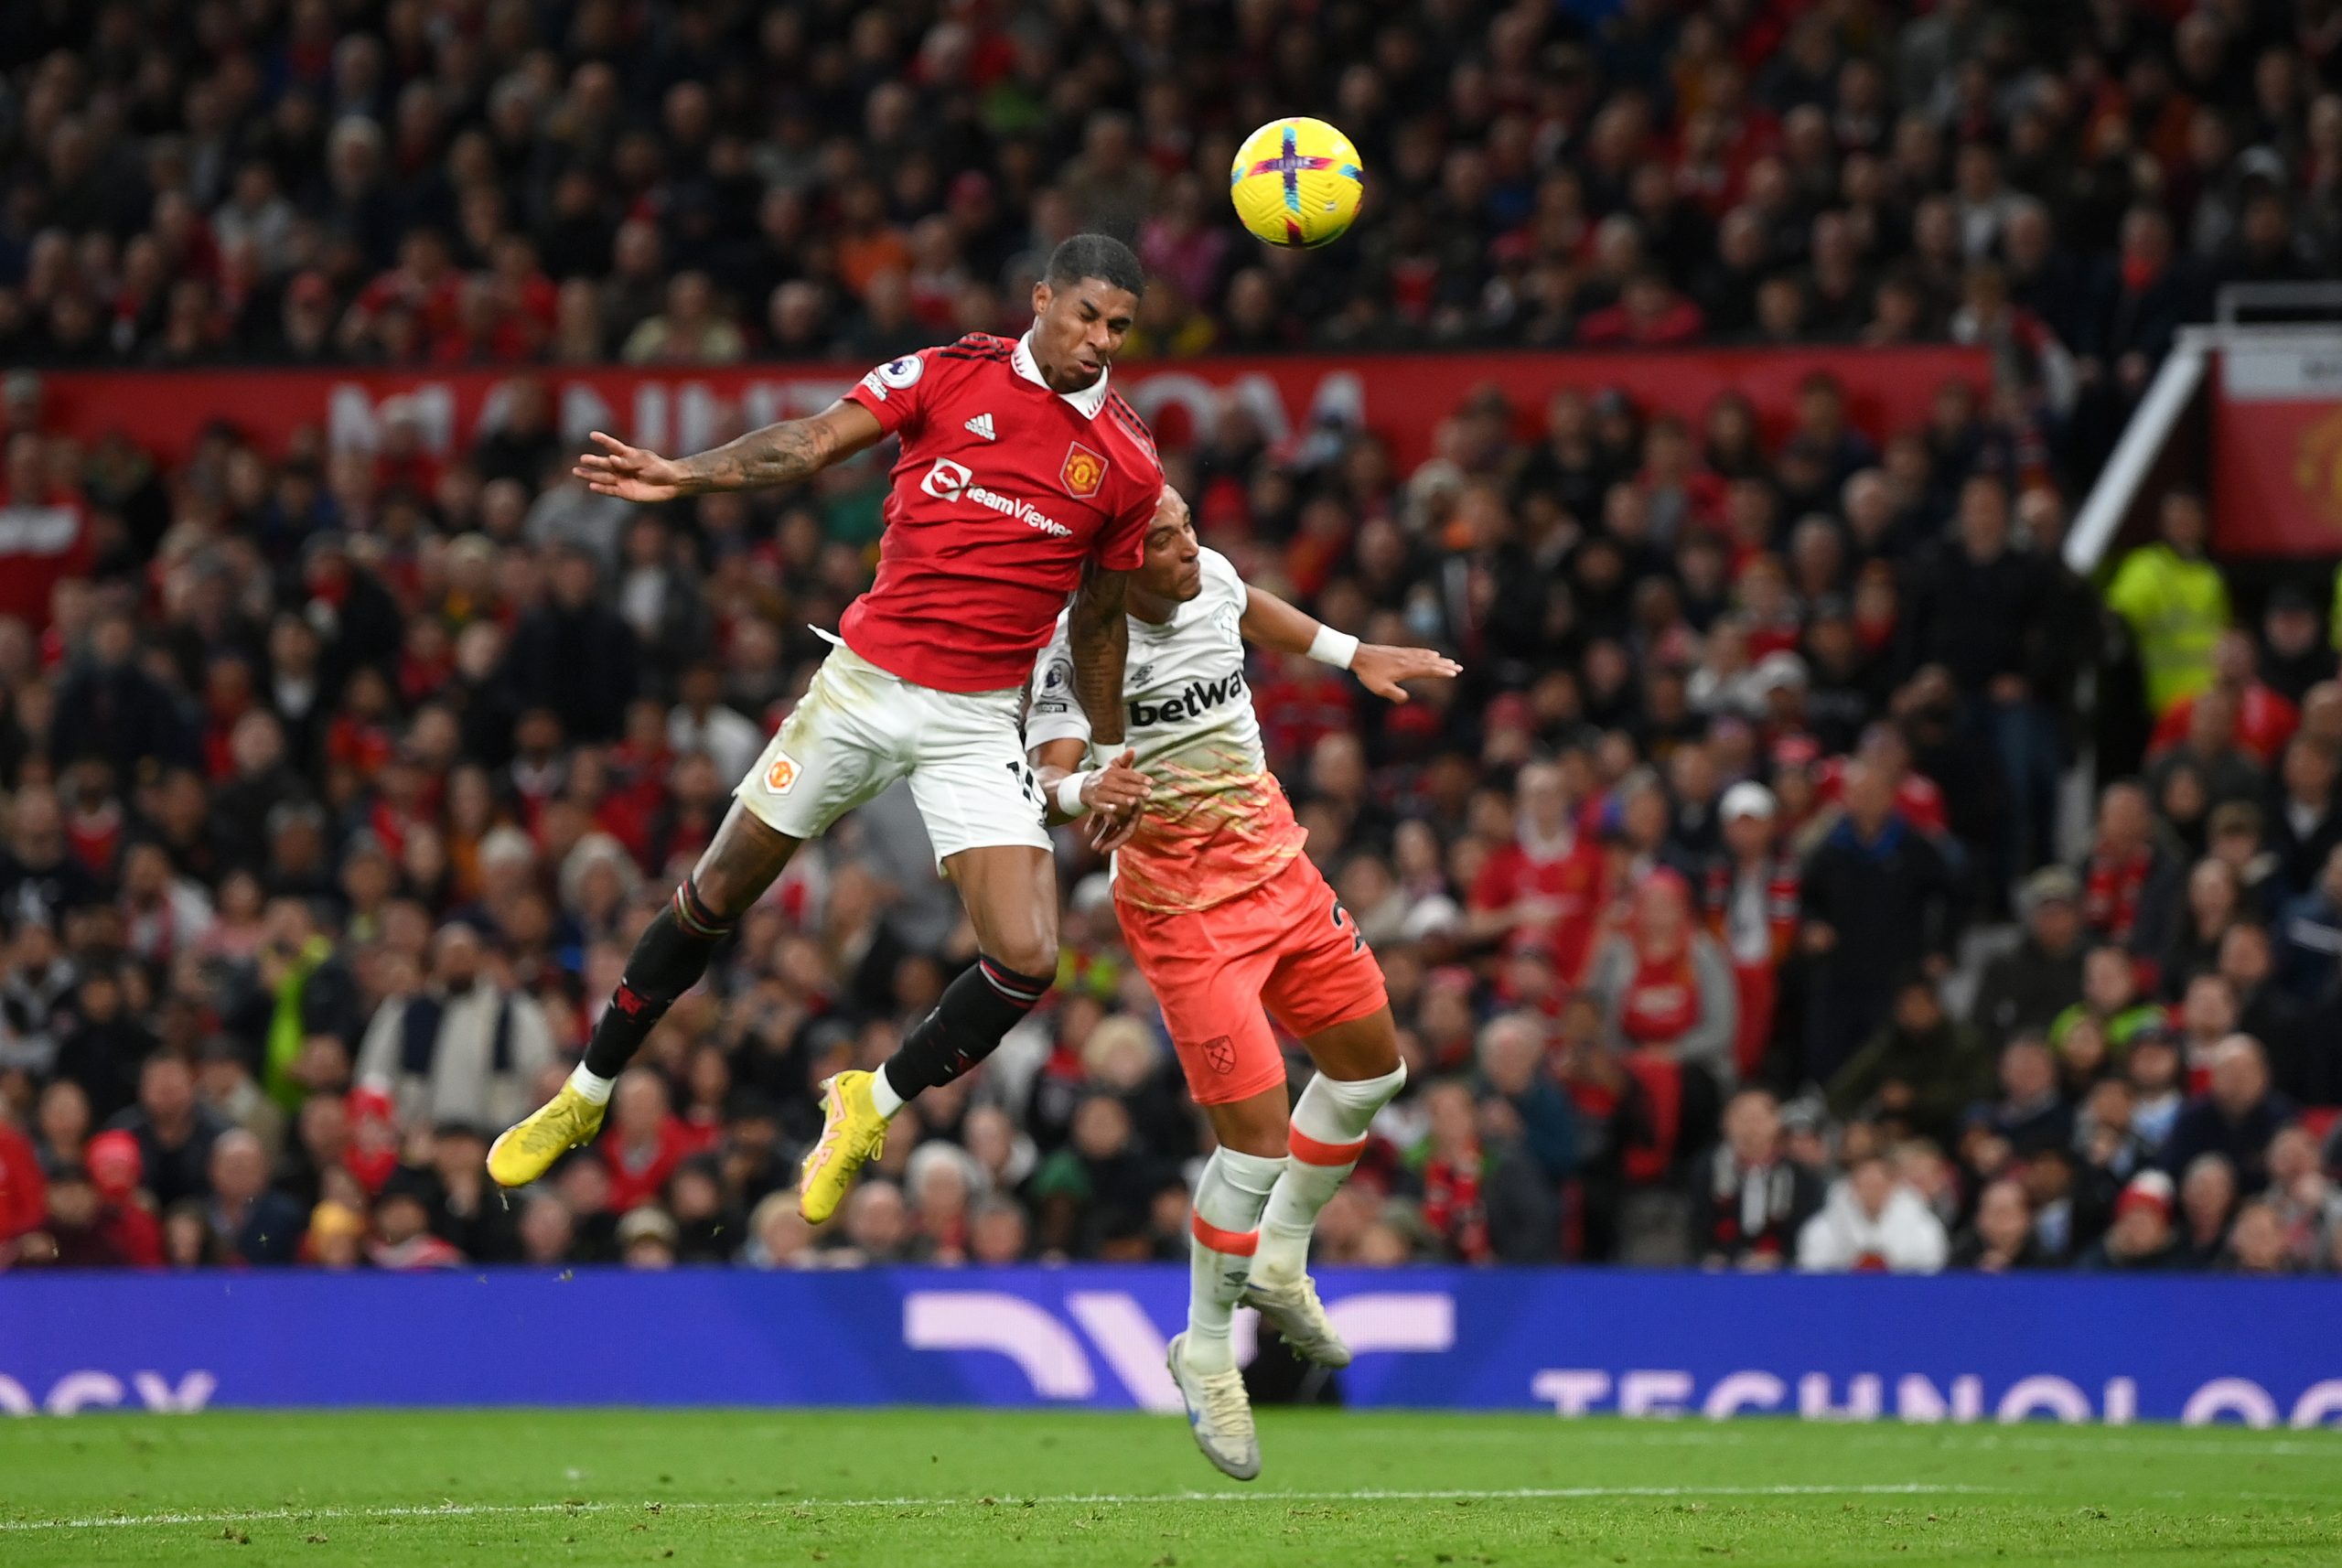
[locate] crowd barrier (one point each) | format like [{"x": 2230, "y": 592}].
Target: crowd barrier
[
  {"x": 1967, "y": 1347},
  {"x": 1401, "y": 397}
]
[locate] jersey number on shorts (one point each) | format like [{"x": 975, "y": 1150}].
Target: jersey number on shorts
[
  {"x": 1031, "y": 786},
  {"x": 1342, "y": 919}
]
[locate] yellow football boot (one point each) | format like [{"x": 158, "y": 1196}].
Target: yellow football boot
[
  {"x": 853, "y": 1134},
  {"x": 528, "y": 1148}
]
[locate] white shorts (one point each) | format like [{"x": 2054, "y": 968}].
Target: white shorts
[{"x": 860, "y": 728}]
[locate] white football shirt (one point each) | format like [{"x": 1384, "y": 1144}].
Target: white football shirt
[{"x": 1220, "y": 824}]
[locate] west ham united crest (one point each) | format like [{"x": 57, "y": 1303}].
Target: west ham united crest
[{"x": 1083, "y": 472}]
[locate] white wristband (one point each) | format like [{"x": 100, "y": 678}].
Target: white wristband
[
  {"x": 1069, "y": 800},
  {"x": 1334, "y": 648}
]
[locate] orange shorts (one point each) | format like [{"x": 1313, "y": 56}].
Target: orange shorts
[{"x": 1286, "y": 949}]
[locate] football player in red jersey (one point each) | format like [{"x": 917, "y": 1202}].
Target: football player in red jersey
[{"x": 1023, "y": 477}]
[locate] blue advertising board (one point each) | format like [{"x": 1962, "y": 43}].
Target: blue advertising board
[{"x": 1953, "y": 1348}]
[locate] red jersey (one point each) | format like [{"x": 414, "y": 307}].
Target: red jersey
[
  {"x": 43, "y": 540},
  {"x": 639, "y": 1177},
  {"x": 1572, "y": 878},
  {"x": 1661, "y": 1001},
  {"x": 1003, "y": 490},
  {"x": 1916, "y": 797},
  {"x": 23, "y": 1193},
  {"x": 2264, "y": 723},
  {"x": 2110, "y": 890}
]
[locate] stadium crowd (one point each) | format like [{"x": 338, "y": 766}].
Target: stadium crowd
[{"x": 1724, "y": 902}]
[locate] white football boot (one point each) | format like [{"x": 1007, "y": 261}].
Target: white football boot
[
  {"x": 1219, "y": 1412},
  {"x": 1294, "y": 1310}
]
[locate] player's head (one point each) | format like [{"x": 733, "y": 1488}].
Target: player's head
[
  {"x": 1174, "y": 568},
  {"x": 1083, "y": 309}
]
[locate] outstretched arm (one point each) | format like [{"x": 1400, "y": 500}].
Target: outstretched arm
[
  {"x": 776, "y": 455},
  {"x": 1100, "y": 635},
  {"x": 1272, "y": 623}
]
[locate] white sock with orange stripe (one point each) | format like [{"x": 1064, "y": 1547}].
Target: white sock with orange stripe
[
  {"x": 1229, "y": 1197},
  {"x": 1329, "y": 1123}
]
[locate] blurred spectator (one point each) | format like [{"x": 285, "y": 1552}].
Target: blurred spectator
[
  {"x": 1512, "y": 1068},
  {"x": 2141, "y": 1236},
  {"x": 2109, "y": 1001},
  {"x": 1665, "y": 988},
  {"x": 646, "y": 1238},
  {"x": 466, "y": 1049},
  {"x": 1750, "y": 898},
  {"x": 1870, "y": 1222},
  {"x": 254, "y": 1225},
  {"x": 547, "y": 1229},
  {"x": 1877, "y": 902},
  {"x": 2310, "y": 935},
  {"x": 402, "y": 1238},
  {"x": 24, "y": 1191},
  {"x": 1755, "y": 1204},
  {"x": 173, "y": 1131},
  {"x": 1919, "y": 1072},
  {"x": 1452, "y": 1165},
  {"x": 2029, "y": 1113},
  {"x": 2259, "y": 721},
  {"x": 2001, "y": 1239},
  {"x": 2175, "y": 604},
  {"x": 2296, "y": 654},
  {"x": 2257, "y": 1242},
  {"x": 1546, "y": 887},
  {"x": 471, "y": 1215},
  {"x": 645, "y": 1141},
  {"x": 2030, "y": 986},
  {"x": 2306, "y": 1202},
  {"x": 2304, "y": 828},
  {"x": 2208, "y": 1198},
  {"x": 2235, "y": 1117},
  {"x": 876, "y": 1224},
  {"x": 574, "y": 657},
  {"x": 688, "y": 331}
]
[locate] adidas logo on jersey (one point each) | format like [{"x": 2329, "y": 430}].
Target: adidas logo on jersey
[{"x": 982, "y": 426}]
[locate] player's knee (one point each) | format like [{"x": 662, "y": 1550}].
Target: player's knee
[
  {"x": 717, "y": 893},
  {"x": 1365, "y": 1047},
  {"x": 1256, "y": 1126},
  {"x": 737, "y": 867},
  {"x": 1030, "y": 956}
]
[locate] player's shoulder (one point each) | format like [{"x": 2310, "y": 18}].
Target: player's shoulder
[
  {"x": 938, "y": 364},
  {"x": 979, "y": 347},
  {"x": 1117, "y": 416},
  {"x": 1219, "y": 572}
]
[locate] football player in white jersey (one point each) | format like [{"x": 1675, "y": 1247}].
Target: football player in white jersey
[{"x": 1231, "y": 925}]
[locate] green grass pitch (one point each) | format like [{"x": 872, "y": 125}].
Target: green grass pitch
[{"x": 950, "y": 1487}]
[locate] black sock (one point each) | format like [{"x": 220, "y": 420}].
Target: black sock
[
  {"x": 966, "y": 1027},
  {"x": 667, "y": 961}
]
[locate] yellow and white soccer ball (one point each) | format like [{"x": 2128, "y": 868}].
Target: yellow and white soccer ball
[{"x": 1297, "y": 182}]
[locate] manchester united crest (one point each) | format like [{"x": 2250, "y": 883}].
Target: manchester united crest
[
  {"x": 1083, "y": 472},
  {"x": 2317, "y": 468}
]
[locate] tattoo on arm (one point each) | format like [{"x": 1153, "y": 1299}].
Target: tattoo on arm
[
  {"x": 1101, "y": 636},
  {"x": 778, "y": 454}
]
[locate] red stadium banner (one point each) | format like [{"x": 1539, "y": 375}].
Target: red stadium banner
[
  {"x": 2277, "y": 448},
  {"x": 1400, "y": 397}
]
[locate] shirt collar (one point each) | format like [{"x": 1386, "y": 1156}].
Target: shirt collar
[{"x": 1088, "y": 401}]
